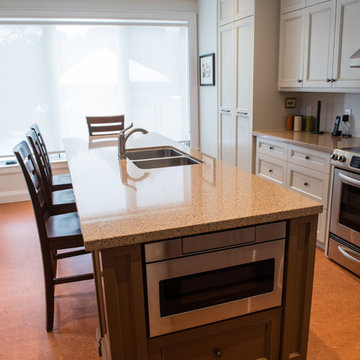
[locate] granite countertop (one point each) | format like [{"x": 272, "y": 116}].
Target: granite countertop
[
  {"x": 321, "y": 142},
  {"x": 120, "y": 204}
]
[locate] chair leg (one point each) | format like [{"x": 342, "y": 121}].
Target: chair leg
[{"x": 48, "y": 263}]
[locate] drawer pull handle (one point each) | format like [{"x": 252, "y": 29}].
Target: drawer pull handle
[
  {"x": 217, "y": 353},
  {"x": 346, "y": 254},
  {"x": 270, "y": 171},
  {"x": 306, "y": 184},
  {"x": 307, "y": 157}
]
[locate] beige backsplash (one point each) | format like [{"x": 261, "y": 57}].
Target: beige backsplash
[{"x": 332, "y": 105}]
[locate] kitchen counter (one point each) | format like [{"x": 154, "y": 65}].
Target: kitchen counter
[
  {"x": 120, "y": 204},
  {"x": 321, "y": 142},
  {"x": 121, "y": 207}
]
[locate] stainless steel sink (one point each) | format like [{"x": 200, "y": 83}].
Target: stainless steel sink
[
  {"x": 152, "y": 153},
  {"x": 167, "y": 156},
  {"x": 166, "y": 162}
]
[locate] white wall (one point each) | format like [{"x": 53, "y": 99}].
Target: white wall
[
  {"x": 102, "y": 5},
  {"x": 332, "y": 105},
  {"x": 207, "y": 38}
]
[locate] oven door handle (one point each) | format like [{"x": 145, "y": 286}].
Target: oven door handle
[
  {"x": 346, "y": 254},
  {"x": 349, "y": 179}
]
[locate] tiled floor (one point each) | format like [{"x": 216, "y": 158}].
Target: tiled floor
[{"x": 334, "y": 328}]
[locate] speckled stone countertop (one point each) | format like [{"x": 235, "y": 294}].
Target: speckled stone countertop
[
  {"x": 120, "y": 204},
  {"x": 321, "y": 142}
]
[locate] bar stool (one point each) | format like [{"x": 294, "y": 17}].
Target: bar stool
[
  {"x": 57, "y": 182},
  {"x": 58, "y": 201},
  {"x": 105, "y": 125},
  {"x": 56, "y": 232}
]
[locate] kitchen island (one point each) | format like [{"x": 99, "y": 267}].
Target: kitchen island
[{"x": 122, "y": 207}]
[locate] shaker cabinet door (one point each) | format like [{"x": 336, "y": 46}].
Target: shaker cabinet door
[
  {"x": 291, "y": 5},
  {"x": 244, "y": 8},
  {"x": 291, "y": 49},
  {"x": 319, "y": 45},
  {"x": 227, "y": 138},
  {"x": 347, "y": 35},
  {"x": 225, "y": 11}
]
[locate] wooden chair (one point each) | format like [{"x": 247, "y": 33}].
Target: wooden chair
[
  {"x": 57, "y": 182},
  {"x": 105, "y": 125},
  {"x": 55, "y": 232},
  {"x": 58, "y": 201}
]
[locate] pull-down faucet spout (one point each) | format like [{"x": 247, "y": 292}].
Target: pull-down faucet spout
[{"x": 123, "y": 137}]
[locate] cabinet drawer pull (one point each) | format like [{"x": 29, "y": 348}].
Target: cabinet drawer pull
[
  {"x": 328, "y": 80},
  {"x": 271, "y": 148},
  {"x": 333, "y": 80},
  {"x": 299, "y": 81},
  {"x": 307, "y": 157},
  {"x": 224, "y": 111},
  {"x": 217, "y": 353},
  {"x": 241, "y": 113},
  {"x": 270, "y": 171},
  {"x": 306, "y": 184}
]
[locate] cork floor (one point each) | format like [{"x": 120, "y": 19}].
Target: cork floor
[{"x": 334, "y": 326}]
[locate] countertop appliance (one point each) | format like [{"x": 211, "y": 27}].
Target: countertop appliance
[
  {"x": 344, "y": 239},
  {"x": 203, "y": 279}
]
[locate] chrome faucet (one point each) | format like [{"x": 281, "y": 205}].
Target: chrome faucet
[{"x": 122, "y": 138}]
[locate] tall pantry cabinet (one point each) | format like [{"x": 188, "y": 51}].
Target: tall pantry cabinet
[{"x": 247, "y": 76}]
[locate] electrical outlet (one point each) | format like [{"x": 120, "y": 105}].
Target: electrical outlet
[
  {"x": 347, "y": 112},
  {"x": 308, "y": 111}
]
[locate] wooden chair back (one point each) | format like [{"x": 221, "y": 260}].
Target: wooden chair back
[
  {"x": 43, "y": 149},
  {"x": 41, "y": 162},
  {"x": 34, "y": 184},
  {"x": 105, "y": 125}
]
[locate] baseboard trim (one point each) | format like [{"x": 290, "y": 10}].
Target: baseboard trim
[{"x": 14, "y": 196}]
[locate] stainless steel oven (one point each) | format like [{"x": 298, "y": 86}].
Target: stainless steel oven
[
  {"x": 202, "y": 279},
  {"x": 344, "y": 239}
]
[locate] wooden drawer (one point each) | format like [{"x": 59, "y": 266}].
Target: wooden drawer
[
  {"x": 259, "y": 339},
  {"x": 272, "y": 148},
  {"x": 312, "y": 159},
  {"x": 271, "y": 169},
  {"x": 310, "y": 183}
]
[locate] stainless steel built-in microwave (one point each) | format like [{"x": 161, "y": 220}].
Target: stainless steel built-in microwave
[{"x": 202, "y": 279}]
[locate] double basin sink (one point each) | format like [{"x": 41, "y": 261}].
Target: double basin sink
[{"x": 159, "y": 157}]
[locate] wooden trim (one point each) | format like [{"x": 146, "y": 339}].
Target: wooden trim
[
  {"x": 124, "y": 301},
  {"x": 298, "y": 283}
]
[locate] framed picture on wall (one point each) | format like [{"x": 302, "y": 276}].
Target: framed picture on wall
[{"x": 207, "y": 70}]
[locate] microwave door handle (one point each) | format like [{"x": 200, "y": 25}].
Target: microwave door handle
[
  {"x": 346, "y": 254},
  {"x": 350, "y": 180}
]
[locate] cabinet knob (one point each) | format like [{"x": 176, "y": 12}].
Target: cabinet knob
[
  {"x": 299, "y": 81},
  {"x": 328, "y": 80},
  {"x": 217, "y": 353},
  {"x": 333, "y": 80},
  {"x": 270, "y": 171},
  {"x": 271, "y": 148},
  {"x": 306, "y": 184},
  {"x": 307, "y": 157}
]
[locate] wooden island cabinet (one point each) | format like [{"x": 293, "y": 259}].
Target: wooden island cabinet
[{"x": 132, "y": 207}]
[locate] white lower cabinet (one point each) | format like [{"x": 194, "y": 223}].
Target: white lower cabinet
[{"x": 296, "y": 172}]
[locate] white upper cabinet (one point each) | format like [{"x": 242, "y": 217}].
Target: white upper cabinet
[
  {"x": 244, "y": 63},
  {"x": 319, "y": 42},
  {"x": 291, "y": 55},
  {"x": 243, "y": 8},
  {"x": 320, "y": 39},
  {"x": 291, "y": 5},
  {"x": 225, "y": 11},
  {"x": 347, "y": 41},
  {"x": 226, "y": 72},
  {"x": 232, "y": 10}
]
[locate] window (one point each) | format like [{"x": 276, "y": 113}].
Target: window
[{"x": 56, "y": 74}]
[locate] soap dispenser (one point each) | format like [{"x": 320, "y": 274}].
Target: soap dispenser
[{"x": 346, "y": 128}]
